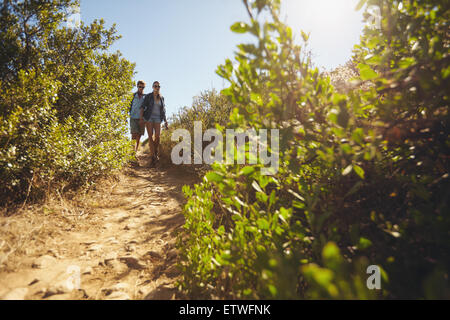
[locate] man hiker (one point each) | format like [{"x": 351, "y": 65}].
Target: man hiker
[
  {"x": 136, "y": 127},
  {"x": 153, "y": 112}
]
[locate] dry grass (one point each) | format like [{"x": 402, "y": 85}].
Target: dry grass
[{"x": 30, "y": 230}]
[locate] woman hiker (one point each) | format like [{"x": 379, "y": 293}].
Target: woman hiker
[{"x": 153, "y": 112}]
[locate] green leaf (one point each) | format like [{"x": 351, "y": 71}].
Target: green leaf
[
  {"x": 256, "y": 98},
  {"x": 285, "y": 213},
  {"x": 214, "y": 177},
  {"x": 273, "y": 290},
  {"x": 445, "y": 72},
  {"x": 247, "y": 170},
  {"x": 364, "y": 243},
  {"x": 289, "y": 32},
  {"x": 359, "y": 171},
  {"x": 298, "y": 204},
  {"x": 263, "y": 224},
  {"x": 358, "y": 135},
  {"x": 331, "y": 251},
  {"x": 305, "y": 36},
  {"x": 240, "y": 27},
  {"x": 262, "y": 197},
  {"x": 366, "y": 72},
  {"x": 272, "y": 198},
  {"x": 406, "y": 62},
  {"x": 263, "y": 181}
]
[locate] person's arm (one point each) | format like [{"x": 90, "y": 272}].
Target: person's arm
[
  {"x": 131, "y": 104},
  {"x": 141, "y": 115},
  {"x": 143, "y": 106},
  {"x": 164, "y": 113}
]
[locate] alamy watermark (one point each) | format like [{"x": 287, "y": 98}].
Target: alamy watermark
[
  {"x": 374, "y": 281},
  {"x": 73, "y": 282},
  {"x": 236, "y": 151}
]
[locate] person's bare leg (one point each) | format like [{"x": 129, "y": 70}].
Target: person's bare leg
[
  {"x": 157, "y": 127},
  {"x": 134, "y": 136},
  {"x": 137, "y": 138},
  {"x": 151, "y": 143},
  {"x": 138, "y": 141}
]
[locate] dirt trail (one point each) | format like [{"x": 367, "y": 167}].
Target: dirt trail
[{"x": 122, "y": 248}]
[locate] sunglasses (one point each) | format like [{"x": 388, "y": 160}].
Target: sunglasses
[
  {"x": 156, "y": 86},
  {"x": 140, "y": 87}
]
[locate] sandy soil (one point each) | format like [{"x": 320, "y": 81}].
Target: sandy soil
[{"x": 116, "y": 242}]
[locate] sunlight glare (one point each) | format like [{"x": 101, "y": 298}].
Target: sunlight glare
[{"x": 332, "y": 24}]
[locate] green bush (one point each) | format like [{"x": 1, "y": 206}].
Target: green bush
[
  {"x": 209, "y": 107},
  {"x": 63, "y": 101},
  {"x": 363, "y": 176}
]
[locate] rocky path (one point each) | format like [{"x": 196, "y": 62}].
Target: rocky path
[{"x": 120, "y": 246}]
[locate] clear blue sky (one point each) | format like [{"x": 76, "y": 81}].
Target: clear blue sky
[{"x": 181, "y": 42}]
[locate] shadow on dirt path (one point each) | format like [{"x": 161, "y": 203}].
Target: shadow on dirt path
[{"x": 123, "y": 249}]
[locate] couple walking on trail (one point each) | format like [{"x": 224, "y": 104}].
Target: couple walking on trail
[{"x": 147, "y": 111}]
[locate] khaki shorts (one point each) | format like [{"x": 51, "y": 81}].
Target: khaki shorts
[{"x": 136, "y": 128}]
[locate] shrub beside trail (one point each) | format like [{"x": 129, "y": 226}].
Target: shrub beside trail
[
  {"x": 211, "y": 108},
  {"x": 363, "y": 176},
  {"x": 63, "y": 100}
]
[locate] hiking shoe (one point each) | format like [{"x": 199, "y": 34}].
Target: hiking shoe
[
  {"x": 135, "y": 163},
  {"x": 152, "y": 161}
]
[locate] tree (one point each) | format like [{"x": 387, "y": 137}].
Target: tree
[{"x": 63, "y": 100}]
